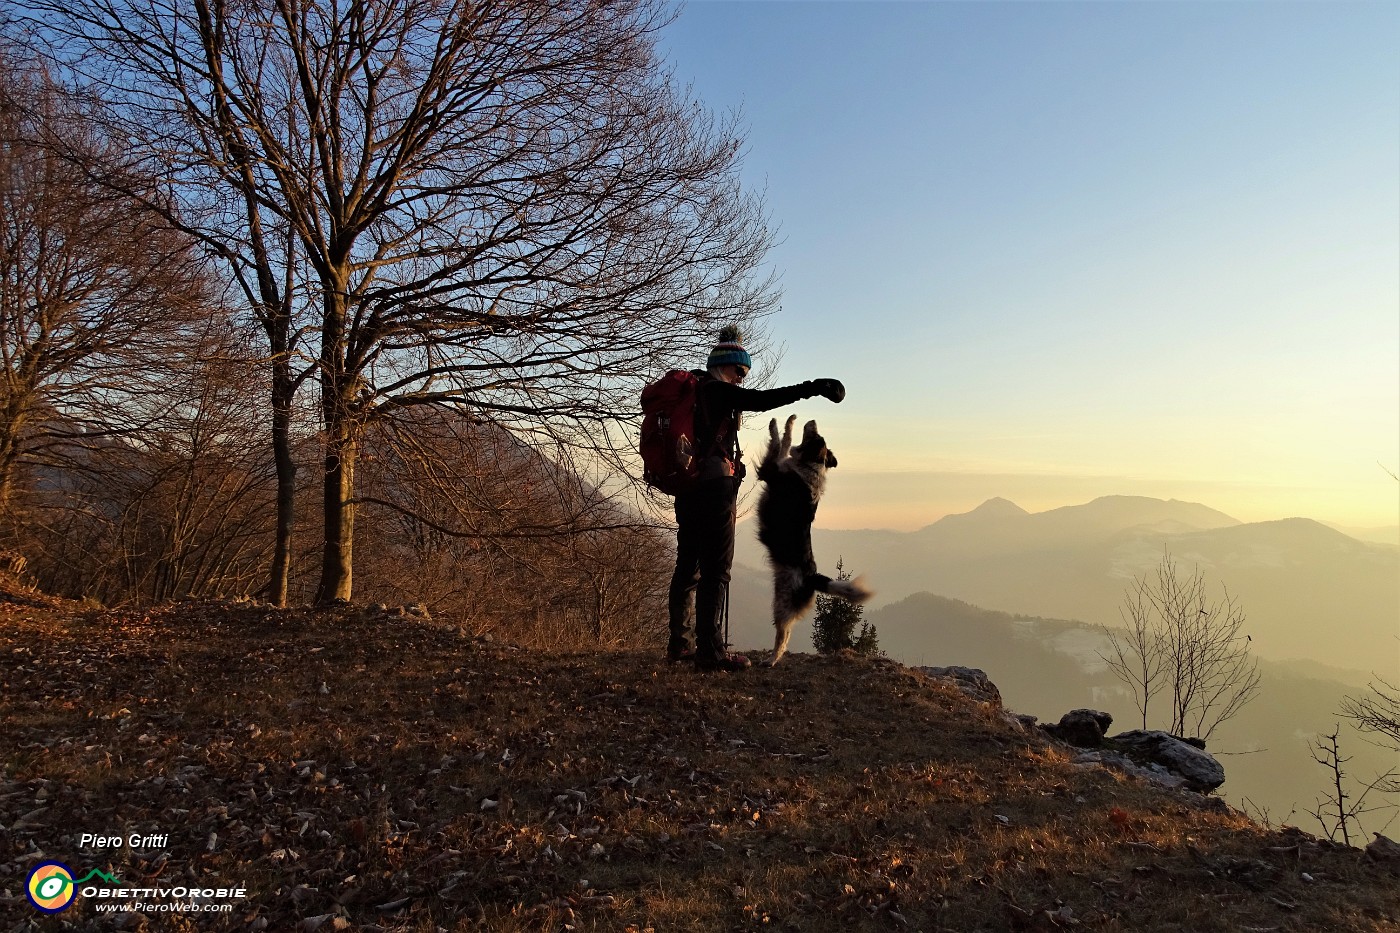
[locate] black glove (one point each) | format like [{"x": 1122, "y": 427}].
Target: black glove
[{"x": 829, "y": 388}]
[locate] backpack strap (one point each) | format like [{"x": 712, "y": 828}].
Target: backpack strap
[{"x": 707, "y": 432}]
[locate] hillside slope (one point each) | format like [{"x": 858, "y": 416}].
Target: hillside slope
[{"x": 355, "y": 772}]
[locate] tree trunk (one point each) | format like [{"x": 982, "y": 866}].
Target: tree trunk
[
  {"x": 282, "y": 390},
  {"x": 342, "y": 450},
  {"x": 16, "y": 416},
  {"x": 9, "y": 460},
  {"x": 343, "y": 433}
]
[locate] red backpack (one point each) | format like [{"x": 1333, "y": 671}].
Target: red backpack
[{"x": 670, "y": 461}]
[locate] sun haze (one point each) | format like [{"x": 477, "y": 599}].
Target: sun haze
[{"x": 1080, "y": 249}]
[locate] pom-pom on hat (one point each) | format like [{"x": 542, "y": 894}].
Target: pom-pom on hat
[{"x": 729, "y": 351}]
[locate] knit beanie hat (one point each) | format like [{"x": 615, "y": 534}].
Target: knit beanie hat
[{"x": 729, "y": 351}]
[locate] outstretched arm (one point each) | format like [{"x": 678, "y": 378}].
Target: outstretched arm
[{"x": 726, "y": 396}]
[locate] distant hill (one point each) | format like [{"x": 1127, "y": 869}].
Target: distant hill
[
  {"x": 1385, "y": 534},
  {"x": 1310, "y": 592}
]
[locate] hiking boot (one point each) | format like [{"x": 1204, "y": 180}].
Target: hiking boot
[
  {"x": 724, "y": 661},
  {"x": 679, "y": 655}
]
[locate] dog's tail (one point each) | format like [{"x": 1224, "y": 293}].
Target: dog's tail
[{"x": 851, "y": 590}]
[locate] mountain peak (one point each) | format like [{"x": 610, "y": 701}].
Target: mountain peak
[{"x": 998, "y": 507}]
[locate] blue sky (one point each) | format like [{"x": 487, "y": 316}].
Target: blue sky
[{"x": 1060, "y": 250}]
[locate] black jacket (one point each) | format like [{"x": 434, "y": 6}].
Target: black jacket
[{"x": 717, "y": 407}]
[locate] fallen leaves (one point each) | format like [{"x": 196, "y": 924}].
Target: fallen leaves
[{"x": 367, "y": 776}]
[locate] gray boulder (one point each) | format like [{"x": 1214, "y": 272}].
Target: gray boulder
[
  {"x": 1197, "y": 766},
  {"x": 1082, "y": 728},
  {"x": 1385, "y": 851},
  {"x": 969, "y": 680},
  {"x": 1154, "y": 773}
]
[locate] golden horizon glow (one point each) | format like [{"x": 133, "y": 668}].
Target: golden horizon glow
[{"x": 909, "y": 500}]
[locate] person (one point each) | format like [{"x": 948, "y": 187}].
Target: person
[{"x": 706, "y": 513}]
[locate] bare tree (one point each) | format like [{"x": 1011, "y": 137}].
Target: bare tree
[
  {"x": 96, "y": 293},
  {"x": 1378, "y": 712},
  {"x": 1137, "y": 654},
  {"x": 504, "y": 206},
  {"x": 1185, "y": 645},
  {"x": 1339, "y": 812},
  {"x": 180, "y": 508},
  {"x": 465, "y": 518}
]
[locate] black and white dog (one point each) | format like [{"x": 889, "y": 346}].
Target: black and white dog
[{"x": 794, "y": 478}]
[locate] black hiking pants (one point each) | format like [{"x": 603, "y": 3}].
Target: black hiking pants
[{"x": 705, "y": 519}]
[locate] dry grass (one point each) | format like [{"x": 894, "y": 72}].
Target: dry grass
[{"x": 362, "y": 774}]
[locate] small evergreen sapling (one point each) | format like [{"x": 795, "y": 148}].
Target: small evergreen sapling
[{"x": 834, "y": 626}]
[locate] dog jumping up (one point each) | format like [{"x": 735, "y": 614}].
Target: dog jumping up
[{"x": 794, "y": 479}]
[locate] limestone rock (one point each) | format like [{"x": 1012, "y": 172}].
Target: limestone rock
[
  {"x": 1022, "y": 722},
  {"x": 1385, "y": 851},
  {"x": 1082, "y": 728},
  {"x": 1200, "y": 769},
  {"x": 969, "y": 680},
  {"x": 1153, "y": 773}
]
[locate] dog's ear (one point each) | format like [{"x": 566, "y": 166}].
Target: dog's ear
[{"x": 830, "y": 460}]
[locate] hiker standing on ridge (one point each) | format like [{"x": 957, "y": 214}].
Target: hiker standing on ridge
[{"x": 707, "y": 509}]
